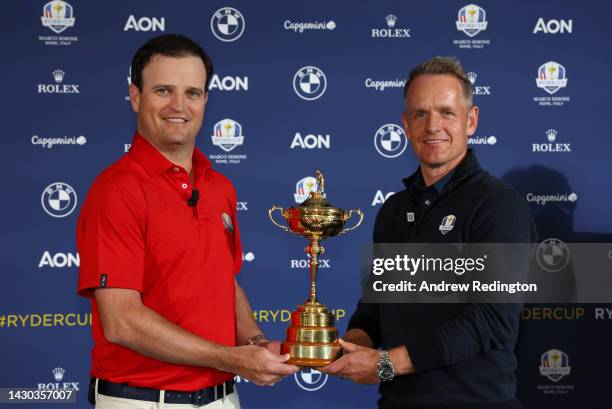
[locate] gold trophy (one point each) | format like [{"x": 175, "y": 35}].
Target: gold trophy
[{"x": 312, "y": 338}]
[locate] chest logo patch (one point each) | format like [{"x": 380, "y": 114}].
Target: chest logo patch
[
  {"x": 447, "y": 223},
  {"x": 227, "y": 222}
]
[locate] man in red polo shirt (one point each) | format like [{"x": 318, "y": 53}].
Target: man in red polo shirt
[{"x": 160, "y": 247}]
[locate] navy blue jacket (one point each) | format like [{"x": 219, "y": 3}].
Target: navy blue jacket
[{"x": 462, "y": 353}]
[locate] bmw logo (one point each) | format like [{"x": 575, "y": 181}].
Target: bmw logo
[
  {"x": 309, "y": 83},
  {"x": 552, "y": 255},
  {"x": 227, "y": 24},
  {"x": 310, "y": 379},
  {"x": 390, "y": 141},
  {"x": 59, "y": 199}
]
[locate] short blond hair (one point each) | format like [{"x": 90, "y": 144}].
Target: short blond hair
[{"x": 441, "y": 66}]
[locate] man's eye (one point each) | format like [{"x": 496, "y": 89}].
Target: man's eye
[
  {"x": 194, "y": 93},
  {"x": 163, "y": 91},
  {"x": 419, "y": 115}
]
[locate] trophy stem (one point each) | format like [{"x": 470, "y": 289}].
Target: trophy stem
[
  {"x": 312, "y": 337},
  {"x": 314, "y": 249}
]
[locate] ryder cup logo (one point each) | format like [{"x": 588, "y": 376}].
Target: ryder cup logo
[
  {"x": 227, "y": 222},
  {"x": 304, "y": 187},
  {"x": 309, "y": 83},
  {"x": 472, "y": 20},
  {"x": 228, "y": 134},
  {"x": 59, "y": 199},
  {"x": 390, "y": 141},
  {"x": 448, "y": 223},
  {"x": 227, "y": 24},
  {"x": 554, "y": 365},
  {"x": 58, "y": 16},
  {"x": 551, "y": 77},
  {"x": 310, "y": 379}
]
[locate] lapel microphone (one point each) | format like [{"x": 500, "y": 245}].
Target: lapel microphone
[{"x": 193, "y": 200}]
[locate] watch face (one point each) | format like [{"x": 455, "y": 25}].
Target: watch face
[{"x": 386, "y": 372}]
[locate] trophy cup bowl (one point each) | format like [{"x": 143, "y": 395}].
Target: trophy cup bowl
[{"x": 312, "y": 338}]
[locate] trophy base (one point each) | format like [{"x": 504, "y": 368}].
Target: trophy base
[
  {"x": 309, "y": 363},
  {"x": 313, "y": 355},
  {"x": 312, "y": 338}
]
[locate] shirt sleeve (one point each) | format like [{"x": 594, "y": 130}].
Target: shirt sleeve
[
  {"x": 480, "y": 327},
  {"x": 111, "y": 238}
]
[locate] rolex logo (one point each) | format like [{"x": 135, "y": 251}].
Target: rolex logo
[
  {"x": 391, "y": 31},
  {"x": 472, "y": 76},
  {"x": 551, "y": 145},
  {"x": 58, "y": 76},
  {"x": 391, "y": 20},
  {"x": 58, "y": 374}
]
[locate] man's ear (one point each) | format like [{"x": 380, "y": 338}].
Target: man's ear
[
  {"x": 134, "y": 97},
  {"x": 472, "y": 123}
]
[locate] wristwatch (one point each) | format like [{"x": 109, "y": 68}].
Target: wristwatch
[{"x": 386, "y": 370}]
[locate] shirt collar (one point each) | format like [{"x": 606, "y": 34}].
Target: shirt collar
[
  {"x": 468, "y": 165},
  {"x": 438, "y": 186},
  {"x": 155, "y": 163}
]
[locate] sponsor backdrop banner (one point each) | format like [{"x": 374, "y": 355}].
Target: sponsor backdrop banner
[{"x": 301, "y": 86}]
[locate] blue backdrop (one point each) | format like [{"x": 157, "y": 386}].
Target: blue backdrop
[{"x": 309, "y": 85}]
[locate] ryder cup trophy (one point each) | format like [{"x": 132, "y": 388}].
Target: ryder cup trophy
[{"x": 312, "y": 338}]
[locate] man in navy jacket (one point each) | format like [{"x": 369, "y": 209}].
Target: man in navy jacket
[{"x": 441, "y": 355}]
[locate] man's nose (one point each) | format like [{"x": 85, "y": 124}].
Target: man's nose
[
  {"x": 177, "y": 101},
  {"x": 433, "y": 124}
]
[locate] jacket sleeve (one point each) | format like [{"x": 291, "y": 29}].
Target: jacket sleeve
[
  {"x": 480, "y": 327},
  {"x": 366, "y": 316}
]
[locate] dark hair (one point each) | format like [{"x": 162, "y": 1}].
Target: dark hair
[
  {"x": 170, "y": 45},
  {"x": 443, "y": 65}
]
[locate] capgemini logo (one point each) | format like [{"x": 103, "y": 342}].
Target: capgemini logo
[
  {"x": 58, "y": 374},
  {"x": 58, "y": 76},
  {"x": 391, "y": 20},
  {"x": 551, "y": 134}
]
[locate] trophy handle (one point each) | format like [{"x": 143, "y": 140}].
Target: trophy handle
[
  {"x": 350, "y": 214},
  {"x": 274, "y": 208}
]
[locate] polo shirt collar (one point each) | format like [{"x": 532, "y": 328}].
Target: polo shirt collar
[
  {"x": 155, "y": 163},
  {"x": 469, "y": 165},
  {"x": 438, "y": 186}
]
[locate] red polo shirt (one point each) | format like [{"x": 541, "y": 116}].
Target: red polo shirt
[{"x": 136, "y": 231}]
